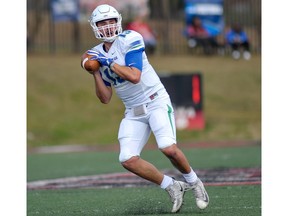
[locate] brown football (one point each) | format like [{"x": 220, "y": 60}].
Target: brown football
[{"x": 89, "y": 65}]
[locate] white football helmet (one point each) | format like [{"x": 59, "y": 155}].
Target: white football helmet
[{"x": 107, "y": 33}]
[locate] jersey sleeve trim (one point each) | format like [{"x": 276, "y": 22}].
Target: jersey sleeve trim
[{"x": 135, "y": 45}]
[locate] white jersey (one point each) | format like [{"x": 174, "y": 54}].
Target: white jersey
[{"x": 131, "y": 94}]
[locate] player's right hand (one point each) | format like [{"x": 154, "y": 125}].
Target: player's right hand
[{"x": 103, "y": 60}]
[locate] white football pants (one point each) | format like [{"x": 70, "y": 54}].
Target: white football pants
[{"x": 135, "y": 129}]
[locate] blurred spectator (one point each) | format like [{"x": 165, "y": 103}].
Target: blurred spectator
[
  {"x": 198, "y": 35},
  {"x": 141, "y": 26},
  {"x": 238, "y": 40}
]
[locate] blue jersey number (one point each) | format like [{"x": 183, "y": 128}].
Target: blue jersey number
[
  {"x": 124, "y": 33},
  {"x": 113, "y": 77}
]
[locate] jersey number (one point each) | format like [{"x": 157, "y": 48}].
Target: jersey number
[
  {"x": 113, "y": 77},
  {"x": 124, "y": 33}
]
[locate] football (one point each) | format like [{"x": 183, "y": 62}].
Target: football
[{"x": 89, "y": 65}]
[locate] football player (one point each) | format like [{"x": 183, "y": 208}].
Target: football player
[{"x": 125, "y": 67}]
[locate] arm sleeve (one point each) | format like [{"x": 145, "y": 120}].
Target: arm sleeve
[{"x": 134, "y": 59}]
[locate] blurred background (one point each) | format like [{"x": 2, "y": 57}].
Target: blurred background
[
  {"x": 55, "y": 26},
  {"x": 63, "y": 108}
]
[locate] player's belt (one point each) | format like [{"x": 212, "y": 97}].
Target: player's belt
[{"x": 152, "y": 97}]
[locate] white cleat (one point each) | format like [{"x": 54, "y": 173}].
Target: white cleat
[
  {"x": 176, "y": 192},
  {"x": 200, "y": 194}
]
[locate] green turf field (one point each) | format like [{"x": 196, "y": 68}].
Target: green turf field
[
  {"x": 224, "y": 201},
  {"x": 151, "y": 200}
]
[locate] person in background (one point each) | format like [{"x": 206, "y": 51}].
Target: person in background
[
  {"x": 198, "y": 35},
  {"x": 142, "y": 27},
  {"x": 238, "y": 40},
  {"x": 124, "y": 67}
]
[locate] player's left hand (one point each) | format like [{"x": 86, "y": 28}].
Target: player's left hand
[{"x": 104, "y": 61}]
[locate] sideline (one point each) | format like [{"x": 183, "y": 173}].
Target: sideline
[{"x": 210, "y": 177}]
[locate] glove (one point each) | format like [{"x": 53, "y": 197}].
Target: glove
[{"x": 104, "y": 61}]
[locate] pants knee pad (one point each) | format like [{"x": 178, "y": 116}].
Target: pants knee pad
[{"x": 125, "y": 157}]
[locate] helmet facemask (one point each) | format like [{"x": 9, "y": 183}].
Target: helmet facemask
[{"x": 108, "y": 32}]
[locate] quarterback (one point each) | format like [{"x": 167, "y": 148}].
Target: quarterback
[{"x": 124, "y": 66}]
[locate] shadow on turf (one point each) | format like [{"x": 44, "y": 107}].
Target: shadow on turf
[
  {"x": 147, "y": 208},
  {"x": 159, "y": 205},
  {"x": 155, "y": 207}
]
